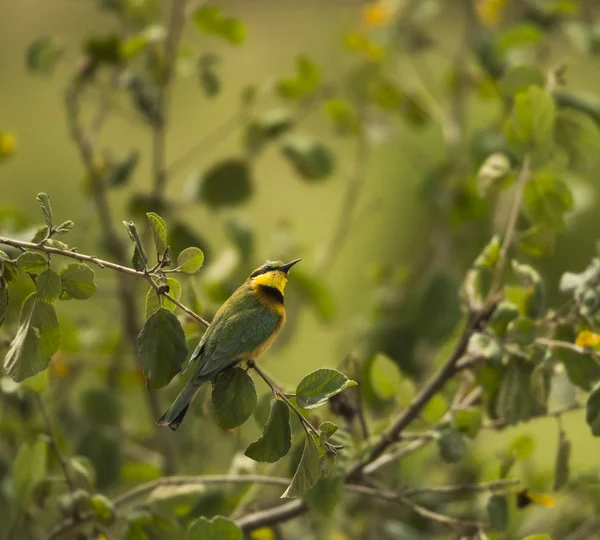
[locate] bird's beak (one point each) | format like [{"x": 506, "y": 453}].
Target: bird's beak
[{"x": 286, "y": 267}]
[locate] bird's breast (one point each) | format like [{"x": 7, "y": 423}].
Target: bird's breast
[{"x": 265, "y": 345}]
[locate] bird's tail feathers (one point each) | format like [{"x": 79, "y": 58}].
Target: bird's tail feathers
[{"x": 176, "y": 412}]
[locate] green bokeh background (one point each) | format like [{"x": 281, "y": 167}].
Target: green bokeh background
[{"x": 392, "y": 217}]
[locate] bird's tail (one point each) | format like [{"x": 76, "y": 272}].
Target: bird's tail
[{"x": 174, "y": 415}]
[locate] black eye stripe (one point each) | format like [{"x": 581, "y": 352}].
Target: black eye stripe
[{"x": 260, "y": 271}]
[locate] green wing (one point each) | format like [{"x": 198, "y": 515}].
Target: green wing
[{"x": 241, "y": 325}]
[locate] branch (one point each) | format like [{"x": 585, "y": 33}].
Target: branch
[
  {"x": 434, "y": 385},
  {"x": 101, "y": 264},
  {"x": 178, "y": 16},
  {"x": 356, "y": 179}
]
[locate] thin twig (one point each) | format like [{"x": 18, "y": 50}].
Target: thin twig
[
  {"x": 55, "y": 448},
  {"x": 497, "y": 485},
  {"x": 511, "y": 226},
  {"x": 178, "y": 17}
]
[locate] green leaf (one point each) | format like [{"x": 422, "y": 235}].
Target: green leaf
[
  {"x": 541, "y": 379},
  {"x": 140, "y": 259},
  {"x": 317, "y": 387},
  {"x": 267, "y": 128},
  {"x": 492, "y": 171},
  {"x": 276, "y": 439},
  {"x": 103, "y": 508},
  {"x": 502, "y": 316},
  {"x": 546, "y": 200},
  {"x": 536, "y": 290},
  {"x": 328, "y": 428},
  {"x": 485, "y": 346},
  {"x": 515, "y": 402},
  {"x": 592, "y": 410},
  {"x": 78, "y": 281},
  {"x": 43, "y": 54},
  {"x": 211, "y": 20},
  {"x": 519, "y": 35},
  {"x": 228, "y": 183},
  {"x": 64, "y": 227},
  {"x": 29, "y": 470},
  {"x": 218, "y": 528},
  {"x": 521, "y": 331},
  {"x": 579, "y": 135},
  {"x": 208, "y": 78},
  {"x": 531, "y": 121},
  {"x": 190, "y": 260},
  {"x": 152, "y": 301},
  {"x": 305, "y": 82},
  {"x": 32, "y": 262},
  {"x": 497, "y": 508},
  {"x": 40, "y": 235},
  {"x": 162, "y": 348},
  {"x": 159, "y": 232},
  {"x": 311, "y": 159},
  {"x": 583, "y": 370},
  {"x": 518, "y": 78},
  {"x": 233, "y": 397},
  {"x": 308, "y": 471},
  {"x": 120, "y": 172},
  {"x": 451, "y": 445},
  {"x": 37, "y": 339},
  {"x": 561, "y": 467},
  {"x": 44, "y": 201},
  {"x": 48, "y": 286},
  {"x": 7, "y": 270},
  {"x": 468, "y": 421},
  {"x": 343, "y": 116},
  {"x": 538, "y": 241},
  {"x": 385, "y": 376}
]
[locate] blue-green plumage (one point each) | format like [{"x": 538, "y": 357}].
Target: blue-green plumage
[{"x": 242, "y": 328}]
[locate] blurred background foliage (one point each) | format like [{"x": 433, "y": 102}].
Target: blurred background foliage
[{"x": 349, "y": 133}]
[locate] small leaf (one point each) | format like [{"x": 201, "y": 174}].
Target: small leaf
[
  {"x": 140, "y": 259},
  {"x": 485, "y": 346},
  {"x": 579, "y": 135},
  {"x": 315, "y": 389},
  {"x": 120, "y": 172},
  {"x": 492, "y": 171},
  {"x": 48, "y": 286},
  {"x": 29, "y": 470},
  {"x": 538, "y": 241},
  {"x": 218, "y": 528},
  {"x": 583, "y": 370},
  {"x": 43, "y": 55},
  {"x": 451, "y": 445},
  {"x": 44, "y": 201},
  {"x": 305, "y": 82},
  {"x": 32, "y": 262},
  {"x": 152, "y": 302},
  {"x": 310, "y": 158},
  {"x": 518, "y": 78},
  {"x": 162, "y": 348},
  {"x": 521, "y": 331},
  {"x": 592, "y": 410},
  {"x": 159, "y": 232},
  {"x": 227, "y": 183},
  {"x": 37, "y": 339},
  {"x": 515, "y": 403},
  {"x": 78, "y": 281},
  {"x": 64, "y": 227},
  {"x": 276, "y": 439},
  {"x": 563, "y": 455},
  {"x": 468, "y": 421},
  {"x": 103, "y": 508},
  {"x": 328, "y": 428},
  {"x": 308, "y": 471},
  {"x": 233, "y": 397},
  {"x": 190, "y": 260},
  {"x": 208, "y": 78},
  {"x": 497, "y": 508},
  {"x": 536, "y": 289},
  {"x": 211, "y": 20}
]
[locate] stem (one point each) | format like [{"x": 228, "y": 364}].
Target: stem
[
  {"x": 55, "y": 448},
  {"x": 281, "y": 395},
  {"x": 511, "y": 226},
  {"x": 172, "y": 39}
]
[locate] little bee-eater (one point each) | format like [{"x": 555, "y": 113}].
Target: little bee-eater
[{"x": 243, "y": 328}]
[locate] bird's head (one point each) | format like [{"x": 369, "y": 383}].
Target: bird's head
[{"x": 272, "y": 274}]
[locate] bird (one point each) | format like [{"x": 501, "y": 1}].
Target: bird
[{"x": 243, "y": 328}]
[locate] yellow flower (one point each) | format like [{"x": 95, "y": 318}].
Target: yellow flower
[
  {"x": 490, "y": 11},
  {"x": 8, "y": 144},
  {"x": 376, "y": 14},
  {"x": 587, "y": 339}
]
